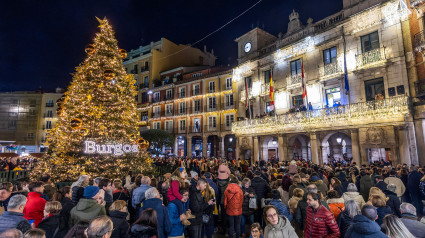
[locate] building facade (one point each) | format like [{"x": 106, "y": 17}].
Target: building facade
[{"x": 341, "y": 88}]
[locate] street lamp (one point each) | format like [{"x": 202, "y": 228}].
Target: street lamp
[
  {"x": 274, "y": 142},
  {"x": 230, "y": 139},
  {"x": 150, "y": 92}
]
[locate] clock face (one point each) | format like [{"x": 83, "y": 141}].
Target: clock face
[{"x": 247, "y": 47}]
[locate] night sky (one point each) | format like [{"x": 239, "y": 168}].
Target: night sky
[{"x": 41, "y": 42}]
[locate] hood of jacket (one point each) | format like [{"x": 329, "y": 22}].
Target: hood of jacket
[
  {"x": 282, "y": 224},
  {"x": 233, "y": 188},
  {"x": 85, "y": 203},
  {"x": 155, "y": 203},
  {"x": 364, "y": 225},
  {"x": 118, "y": 214},
  {"x": 351, "y": 195},
  {"x": 389, "y": 193},
  {"x": 335, "y": 200},
  {"x": 141, "y": 229}
]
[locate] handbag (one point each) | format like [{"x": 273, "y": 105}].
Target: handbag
[
  {"x": 253, "y": 203},
  {"x": 205, "y": 218}
]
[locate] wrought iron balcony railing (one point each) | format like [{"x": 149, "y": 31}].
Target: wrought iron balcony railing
[
  {"x": 370, "y": 58},
  {"x": 419, "y": 42},
  {"x": 392, "y": 109},
  {"x": 294, "y": 81},
  {"x": 331, "y": 69}
]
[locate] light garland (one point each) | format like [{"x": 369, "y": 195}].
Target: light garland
[
  {"x": 242, "y": 70},
  {"x": 302, "y": 47},
  {"x": 389, "y": 110}
]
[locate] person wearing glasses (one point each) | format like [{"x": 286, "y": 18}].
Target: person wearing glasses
[
  {"x": 277, "y": 226},
  {"x": 256, "y": 231}
]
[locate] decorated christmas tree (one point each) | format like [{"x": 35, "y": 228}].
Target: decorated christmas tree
[{"x": 97, "y": 132}]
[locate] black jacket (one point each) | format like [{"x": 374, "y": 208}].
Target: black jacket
[
  {"x": 344, "y": 222},
  {"x": 261, "y": 187},
  {"x": 246, "y": 211},
  {"x": 67, "y": 206},
  {"x": 77, "y": 194},
  {"x": 197, "y": 205},
  {"x": 381, "y": 185},
  {"x": 54, "y": 224},
  {"x": 141, "y": 231},
  {"x": 393, "y": 202},
  {"x": 221, "y": 185},
  {"x": 121, "y": 226}
]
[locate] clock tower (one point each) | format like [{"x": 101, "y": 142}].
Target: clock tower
[{"x": 250, "y": 43}]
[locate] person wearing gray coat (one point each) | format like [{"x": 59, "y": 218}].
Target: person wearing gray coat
[{"x": 410, "y": 220}]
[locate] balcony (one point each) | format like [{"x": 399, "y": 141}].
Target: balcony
[
  {"x": 169, "y": 97},
  {"x": 196, "y": 92},
  {"x": 169, "y": 113},
  {"x": 47, "y": 115},
  {"x": 294, "y": 81},
  {"x": 49, "y": 104},
  {"x": 370, "y": 59},
  {"x": 329, "y": 70},
  {"x": 182, "y": 111},
  {"x": 419, "y": 42},
  {"x": 156, "y": 99},
  {"x": 182, "y": 94},
  {"x": 156, "y": 114},
  {"x": 391, "y": 110}
]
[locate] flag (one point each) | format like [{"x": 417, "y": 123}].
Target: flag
[
  {"x": 246, "y": 94},
  {"x": 271, "y": 95},
  {"x": 303, "y": 80},
  {"x": 347, "y": 86}
]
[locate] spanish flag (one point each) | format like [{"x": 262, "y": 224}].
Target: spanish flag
[{"x": 271, "y": 95}]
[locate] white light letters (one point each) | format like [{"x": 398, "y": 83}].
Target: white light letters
[{"x": 117, "y": 149}]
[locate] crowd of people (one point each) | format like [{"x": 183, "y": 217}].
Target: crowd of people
[
  {"x": 17, "y": 163},
  {"x": 220, "y": 198}
]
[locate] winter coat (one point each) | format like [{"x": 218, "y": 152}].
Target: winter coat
[
  {"x": 55, "y": 226},
  {"x": 173, "y": 190},
  {"x": 400, "y": 188},
  {"x": 381, "y": 185},
  {"x": 164, "y": 224},
  {"x": 233, "y": 200},
  {"x": 34, "y": 209},
  {"x": 246, "y": 211},
  {"x": 363, "y": 227},
  {"x": 299, "y": 185},
  {"x": 393, "y": 202},
  {"x": 120, "y": 195},
  {"x": 121, "y": 226},
  {"x": 336, "y": 206},
  {"x": 67, "y": 206},
  {"x": 49, "y": 190},
  {"x": 321, "y": 186},
  {"x": 197, "y": 205},
  {"x": 284, "y": 195},
  {"x": 213, "y": 185},
  {"x": 339, "y": 189},
  {"x": 413, "y": 183},
  {"x": 77, "y": 194},
  {"x": 293, "y": 203},
  {"x": 382, "y": 212},
  {"x": 9, "y": 220},
  {"x": 293, "y": 169},
  {"x": 301, "y": 212},
  {"x": 320, "y": 222},
  {"x": 282, "y": 229},
  {"x": 139, "y": 195},
  {"x": 281, "y": 208},
  {"x": 261, "y": 188},
  {"x": 344, "y": 221},
  {"x": 86, "y": 210},
  {"x": 365, "y": 184},
  {"x": 354, "y": 196},
  {"x": 223, "y": 172},
  {"x": 141, "y": 231},
  {"x": 343, "y": 178},
  {"x": 415, "y": 227},
  {"x": 422, "y": 189},
  {"x": 176, "y": 224},
  {"x": 222, "y": 185}
]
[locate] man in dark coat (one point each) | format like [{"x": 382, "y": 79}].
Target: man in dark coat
[
  {"x": 410, "y": 220},
  {"x": 379, "y": 183},
  {"x": 261, "y": 188},
  {"x": 365, "y": 184},
  {"x": 198, "y": 207},
  {"x": 154, "y": 201},
  {"x": 413, "y": 186},
  {"x": 301, "y": 212},
  {"x": 393, "y": 201},
  {"x": 364, "y": 226}
]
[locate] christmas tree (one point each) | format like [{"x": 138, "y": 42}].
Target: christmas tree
[{"x": 97, "y": 132}]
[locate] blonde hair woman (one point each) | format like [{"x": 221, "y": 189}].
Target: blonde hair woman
[{"x": 119, "y": 216}]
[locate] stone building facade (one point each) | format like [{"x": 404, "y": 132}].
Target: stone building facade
[{"x": 352, "y": 65}]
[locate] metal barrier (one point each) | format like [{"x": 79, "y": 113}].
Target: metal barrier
[{"x": 12, "y": 176}]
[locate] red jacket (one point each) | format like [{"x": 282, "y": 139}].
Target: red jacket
[
  {"x": 233, "y": 199},
  {"x": 173, "y": 191},
  {"x": 34, "y": 209},
  {"x": 320, "y": 223}
]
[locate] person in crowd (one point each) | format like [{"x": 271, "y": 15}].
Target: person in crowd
[
  {"x": 394, "y": 227},
  {"x": 336, "y": 185},
  {"x": 64, "y": 196},
  {"x": 6, "y": 190},
  {"x": 301, "y": 212},
  {"x": 393, "y": 201},
  {"x": 277, "y": 226},
  {"x": 96, "y": 181},
  {"x": 14, "y": 217},
  {"x": 364, "y": 225},
  {"x": 222, "y": 182},
  {"x": 297, "y": 183},
  {"x": 34, "y": 209},
  {"x": 233, "y": 201},
  {"x": 365, "y": 183},
  {"x": 379, "y": 183},
  {"x": 319, "y": 222},
  {"x": 293, "y": 202},
  {"x": 177, "y": 182},
  {"x": 247, "y": 211},
  {"x": 282, "y": 209},
  {"x": 78, "y": 188},
  {"x": 146, "y": 225},
  {"x": 12, "y": 233},
  {"x": 292, "y": 168},
  {"x": 105, "y": 184},
  {"x": 54, "y": 224},
  {"x": 49, "y": 187},
  {"x": 284, "y": 189},
  {"x": 321, "y": 186},
  {"x": 178, "y": 221},
  {"x": 261, "y": 188},
  {"x": 393, "y": 179},
  {"x": 198, "y": 207},
  {"x": 153, "y": 200},
  {"x": 194, "y": 178},
  {"x": 335, "y": 203},
  {"x": 78, "y": 230},
  {"x": 88, "y": 207},
  {"x": 35, "y": 233},
  {"x": 352, "y": 194},
  {"x": 208, "y": 227},
  {"x": 212, "y": 184},
  {"x": 378, "y": 199},
  {"x": 256, "y": 231},
  {"x": 119, "y": 216},
  {"x": 413, "y": 186},
  {"x": 101, "y": 227},
  {"x": 345, "y": 218},
  {"x": 119, "y": 193},
  {"x": 410, "y": 220},
  {"x": 139, "y": 193}
]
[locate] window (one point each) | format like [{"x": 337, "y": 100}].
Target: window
[
  {"x": 182, "y": 107},
  {"x": 135, "y": 70},
  {"x": 212, "y": 103},
  {"x": 182, "y": 92},
  {"x": 296, "y": 67},
  {"x": 229, "y": 120},
  {"x": 48, "y": 125},
  {"x": 30, "y": 136},
  {"x": 182, "y": 125},
  {"x": 196, "y": 124},
  {"x": 156, "y": 111},
  {"x": 147, "y": 65},
  {"x": 268, "y": 107},
  {"x": 49, "y": 103},
  {"x": 169, "y": 94},
  {"x": 229, "y": 83},
  {"x": 373, "y": 88},
  {"x": 156, "y": 97},
  {"x": 248, "y": 81},
  {"x": 211, "y": 87},
  {"x": 49, "y": 113},
  {"x": 267, "y": 75},
  {"x": 212, "y": 122},
  {"x": 329, "y": 56},
  {"x": 157, "y": 125},
  {"x": 229, "y": 100},
  {"x": 197, "y": 105},
  {"x": 32, "y": 103},
  {"x": 12, "y": 124},
  {"x": 297, "y": 101},
  {"x": 32, "y": 112},
  {"x": 146, "y": 81},
  {"x": 196, "y": 89},
  {"x": 370, "y": 42},
  {"x": 169, "y": 109},
  {"x": 144, "y": 116},
  {"x": 168, "y": 125},
  {"x": 333, "y": 97},
  {"x": 145, "y": 97}
]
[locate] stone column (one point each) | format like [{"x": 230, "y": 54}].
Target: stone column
[
  {"x": 189, "y": 146},
  {"x": 355, "y": 148},
  {"x": 221, "y": 144},
  {"x": 314, "y": 148},
  {"x": 237, "y": 149},
  {"x": 280, "y": 148},
  {"x": 204, "y": 146},
  {"x": 176, "y": 145},
  {"x": 255, "y": 155},
  {"x": 420, "y": 139},
  {"x": 403, "y": 143},
  {"x": 261, "y": 150}
]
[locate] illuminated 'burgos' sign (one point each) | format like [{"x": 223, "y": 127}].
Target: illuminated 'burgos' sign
[{"x": 117, "y": 149}]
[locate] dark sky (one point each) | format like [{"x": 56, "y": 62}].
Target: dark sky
[{"x": 42, "y": 41}]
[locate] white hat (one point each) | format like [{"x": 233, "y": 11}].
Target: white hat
[{"x": 193, "y": 174}]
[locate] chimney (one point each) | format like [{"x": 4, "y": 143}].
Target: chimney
[{"x": 205, "y": 49}]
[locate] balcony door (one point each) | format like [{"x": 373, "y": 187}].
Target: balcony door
[{"x": 373, "y": 88}]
